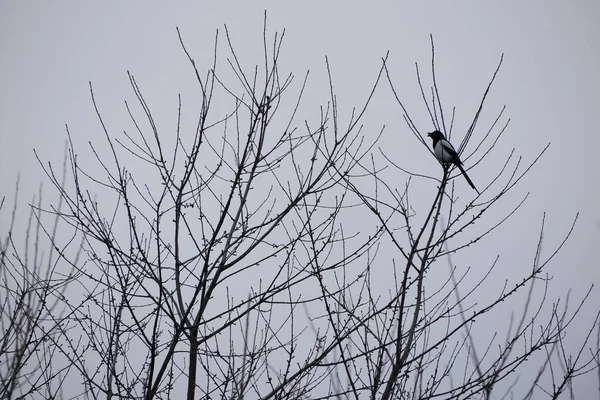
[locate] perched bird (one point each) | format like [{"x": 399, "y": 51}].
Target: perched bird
[{"x": 446, "y": 154}]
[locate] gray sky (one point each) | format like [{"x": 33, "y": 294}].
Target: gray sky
[{"x": 549, "y": 82}]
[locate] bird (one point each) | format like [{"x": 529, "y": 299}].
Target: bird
[{"x": 445, "y": 154}]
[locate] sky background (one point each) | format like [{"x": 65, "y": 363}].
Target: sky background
[{"x": 549, "y": 81}]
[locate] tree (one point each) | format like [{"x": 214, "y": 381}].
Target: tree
[
  {"x": 33, "y": 288},
  {"x": 227, "y": 261}
]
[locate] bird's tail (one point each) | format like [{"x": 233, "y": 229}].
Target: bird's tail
[{"x": 467, "y": 177}]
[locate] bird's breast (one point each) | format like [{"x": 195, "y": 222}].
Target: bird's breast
[{"x": 442, "y": 155}]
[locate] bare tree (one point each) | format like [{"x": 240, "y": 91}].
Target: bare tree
[
  {"x": 33, "y": 287},
  {"x": 412, "y": 342},
  {"x": 228, "y": 261}
]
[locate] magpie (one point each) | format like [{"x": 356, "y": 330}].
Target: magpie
[{"x": 445, "y": 153}]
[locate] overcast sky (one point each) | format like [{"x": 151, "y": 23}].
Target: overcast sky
[{"x": 549, "y": 82}]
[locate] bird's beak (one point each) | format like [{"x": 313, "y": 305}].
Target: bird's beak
[{"x": 429, "y": 134}]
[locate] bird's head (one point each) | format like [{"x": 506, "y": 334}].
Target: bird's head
[{"x": 436, "y": 135}]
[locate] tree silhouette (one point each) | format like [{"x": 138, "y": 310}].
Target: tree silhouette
[{"x": 266, "y": 255}]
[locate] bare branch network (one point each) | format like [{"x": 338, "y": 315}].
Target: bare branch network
[{"x": 264, "y": 255}]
